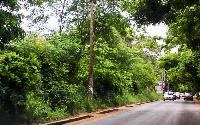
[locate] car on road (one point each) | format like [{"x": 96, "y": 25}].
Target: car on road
[
  {"x": 174, "y": 96},
  {"x": 182, "y": 95},
  {"x": 178, "y": 95},
  {"x": 188, "y": 96},
  {"x": 168, "y": 96}
]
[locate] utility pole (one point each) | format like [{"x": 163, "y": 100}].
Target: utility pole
[
  {"x": 149, "y": 89},
  {"x": 168, "y": 84},
  {"x": 162, "y": 83},
  {"x": 90, "y": 90}
]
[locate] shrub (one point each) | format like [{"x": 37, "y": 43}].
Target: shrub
[
  {"x": 17, "y": 77},
  {"x": 37, "y": 110}
]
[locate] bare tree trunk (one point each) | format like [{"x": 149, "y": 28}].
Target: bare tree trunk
[
  {"x": 61, "y": 17},
  {"x": 90, "y": 91}
]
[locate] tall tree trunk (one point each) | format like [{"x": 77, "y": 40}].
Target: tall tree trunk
[
  {"x": 162, "y": 82},
  {"x": 90, "y": 91},
  {"x": 149, "y": 90}
]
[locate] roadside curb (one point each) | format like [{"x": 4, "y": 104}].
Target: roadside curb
[
  {"x": 65, "y": 121},
  {"x": 102, "y": 113}
]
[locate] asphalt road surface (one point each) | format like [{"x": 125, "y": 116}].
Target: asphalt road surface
[{"x": 178, "y": 112}]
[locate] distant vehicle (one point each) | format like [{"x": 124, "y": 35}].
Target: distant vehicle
[
  {"x": 168, "y": 96},
  {"x": 188, "y": 96},
  {"x": 178, "y": 95},
  {"x": 182, "y": 95},
  {"x": 174, "y": 96}
]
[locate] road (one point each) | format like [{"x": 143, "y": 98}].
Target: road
[{"x": 178, "y": 112}]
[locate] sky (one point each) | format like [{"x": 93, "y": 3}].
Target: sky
[{"x": 160, "y": 30}]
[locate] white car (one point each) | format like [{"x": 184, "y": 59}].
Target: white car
[
  {"x": 188, "y": 96},
  {"x": 168, "y": 96}
]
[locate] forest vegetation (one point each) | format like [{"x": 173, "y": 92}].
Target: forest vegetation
[{"x": 45, "y": 77}]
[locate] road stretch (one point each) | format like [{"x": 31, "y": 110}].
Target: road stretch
[{"x": 178, "y": 112}]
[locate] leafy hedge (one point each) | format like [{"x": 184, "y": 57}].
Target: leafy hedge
[
  {"x": 18, "y": 76},
  {"x": 43, "y": 80}
]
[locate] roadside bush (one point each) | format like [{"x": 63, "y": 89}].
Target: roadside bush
[
  {"x": 76, "y": 99},
  {"x": 5, "y": 116},
  {"x": 56, "y": 115},
  {"x": 143, "y": 96},
  {"x": 153, "y": 96},
  {"x": 126, "y": 99},
  {"x": 18, "y": 76},
  {"x": 37, "y": 110},
  {"x": 99, "y": 104},
  {"x": 159, "y": 96}
]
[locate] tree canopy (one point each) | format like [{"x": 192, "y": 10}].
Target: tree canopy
[
  {"x": 9, "y": 22},
  {"x": 182, "y": 69},
  {"x": 182, "y": 17}
]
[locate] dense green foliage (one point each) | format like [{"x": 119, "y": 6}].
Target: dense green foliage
[
  {"x": 47, "y": 79},
  {"x": 182, "y": 18},
  {"x": 9, "y": 22},
  {"x": 182, "y": 70},
  {"x": 44, "y": 80},
  {"x": 19, "y": 76}
]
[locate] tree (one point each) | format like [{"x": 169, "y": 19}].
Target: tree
[
  {"x": 180, "y": 16},
  {"x": 9, "y": 22},
  {"x": 43, "y": 13},
  {"x": 186, "y": 29},
  {"x": 182, "y": 69},
  {"x": 170, "y": 60},
  {"x": 182, "y": 19},
  {"x": 11, "y": 19}
]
